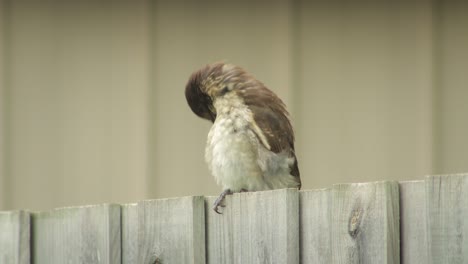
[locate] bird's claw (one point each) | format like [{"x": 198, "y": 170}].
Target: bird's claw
[
  {"x": 219, "y": 201},
  {"x": 215, "y": 208}
]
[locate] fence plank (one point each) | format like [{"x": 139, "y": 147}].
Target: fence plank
[
  {"x": 165, "y": 231},
  {"x": 129, "y": 233},
  {"x": 413, "y": 229},
  {"x": 349, "y": 223},
  {"x": 315, "y": 216},
  {"x": 14, "y": 237},
  {"x": 88, "y": 234},
  {"x": 365, "y": 223},
  {"x": 447, "y": 214},
  {"x": 255, "y": 227}
]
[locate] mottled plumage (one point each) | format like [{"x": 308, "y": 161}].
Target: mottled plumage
[{"x": 250, "y": 146}]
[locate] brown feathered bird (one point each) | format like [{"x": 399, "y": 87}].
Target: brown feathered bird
[{"x": 250, "y": 146}]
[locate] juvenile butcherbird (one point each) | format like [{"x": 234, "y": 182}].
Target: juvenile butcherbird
[{"x": 250, "y": 146}]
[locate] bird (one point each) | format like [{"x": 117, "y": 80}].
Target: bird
[{"x": 250, "y": 145}]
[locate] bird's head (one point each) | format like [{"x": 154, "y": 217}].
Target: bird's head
[{"x": 212, "y": 82}]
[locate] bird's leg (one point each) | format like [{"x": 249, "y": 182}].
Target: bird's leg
[{"x": 220, "y": 200}]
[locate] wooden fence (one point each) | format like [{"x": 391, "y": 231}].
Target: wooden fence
[{"x": 380, "y": 222}]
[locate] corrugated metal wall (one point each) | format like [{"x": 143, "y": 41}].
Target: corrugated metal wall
[{"x": 93, "y": 108}]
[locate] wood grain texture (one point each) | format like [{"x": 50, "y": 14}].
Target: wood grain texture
[
  {"x": 349, "y": 223},
  {"x": 365, "y": 223},
  {"x": 129, "y": 233},
  {"x": 413, "y": 223},
  {"x": 14, "y": 237},
  {"x": 447, "y": 214},
  {"x": 255, "y": 227},
  {"x": 315, "y": 224},
  {"x": 164, "y": 231},
  {"x": 88, "y": 234}
]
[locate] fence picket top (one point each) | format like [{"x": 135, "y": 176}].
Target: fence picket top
[
  {"x": 168, "y": 230},
  {"x": 315, "y": 224},
  {"x": 81, "y": 234},
  {"x": 81, "y": 209},
  {"x": 14, "y": 237},
  {"x": 447, "y": 214},
  {"x": 255, "y": 227},
  {"x": 365, "y": 223}
]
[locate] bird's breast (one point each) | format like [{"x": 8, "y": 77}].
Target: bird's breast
[
  {"x": 231, "y": 152},
  {"x": 236, "y": 157}
]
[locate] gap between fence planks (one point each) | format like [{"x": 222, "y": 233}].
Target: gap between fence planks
[{"x": 348, "y": 223}]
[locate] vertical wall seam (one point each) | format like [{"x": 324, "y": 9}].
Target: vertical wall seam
[
  {"x": 295, "y": 72},
  {"x": 6, "y": 104},
  {"x": 151, "y": 137},
  {"x": 437, "y": 99},
  {"x": 295, "y": 61}
]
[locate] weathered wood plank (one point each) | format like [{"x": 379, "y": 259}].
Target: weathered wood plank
[
  {"x": 14, "y": 237},
  {"x": 413, "y": 223},
  {"x": 365, "y": 223},
  {"x": 88, "y": 234},
  {"x": 255, "y": 227},
  {"x": 315, "y": 224},
  {"x": 164, "y": 231},
  {"x": 129, "y": 227},
  {"x": 447, "y": 214}
]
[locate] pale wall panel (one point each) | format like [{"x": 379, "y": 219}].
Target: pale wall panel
[
  {"x": 365, "y": 100},
  {"x": 451, "y": 87},
  {"x": 78, "y": 102},
  {"x": 187, "y": 36},
  {"x": 3, "y": 195},
  {"x": 96, "y": 107}
]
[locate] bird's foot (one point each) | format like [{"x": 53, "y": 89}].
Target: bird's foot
[{"x": 219, "y": 201}]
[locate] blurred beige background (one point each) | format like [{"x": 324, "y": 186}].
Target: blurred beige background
[{"x": 93, "y": 110}]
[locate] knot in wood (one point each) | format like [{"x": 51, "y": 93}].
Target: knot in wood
[
  {"x": 354, "y": 222},
  {"x": 157, "y": 261}
]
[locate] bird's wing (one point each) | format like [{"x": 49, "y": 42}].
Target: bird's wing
[
  {"x": 273, "y": 129},
  {"x": 272, "y": 125}
]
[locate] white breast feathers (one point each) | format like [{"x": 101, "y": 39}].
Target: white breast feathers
[{"x": 237, "y": 159}]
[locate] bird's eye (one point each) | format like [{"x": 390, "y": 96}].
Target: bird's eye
[{"x": 224, "y": 90}]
